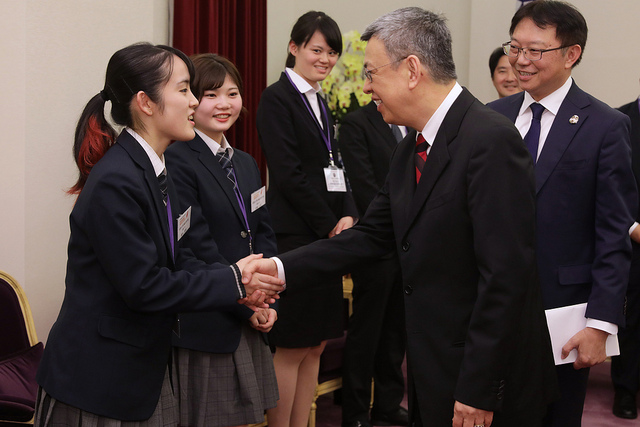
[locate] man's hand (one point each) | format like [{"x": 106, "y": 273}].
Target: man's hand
[
  {"x": 256, "y": 267},
  {"x": 265, "y": 279},
  {"x": 344, "y": 223},
  {"x": 591, "y": 346},
  {"x": 468, "y": 416}
]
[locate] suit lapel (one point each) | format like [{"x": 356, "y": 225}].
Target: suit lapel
[
  {"x": 211, "y": 163},
  {"x": 438, "y": 157},
  {"x": 302, "y": 107},
  {"x": 561, "y": 133},
  {"x": 139, "y": 156}
]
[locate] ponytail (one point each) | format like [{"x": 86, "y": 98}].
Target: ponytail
[{"x": 94, "y": 136}]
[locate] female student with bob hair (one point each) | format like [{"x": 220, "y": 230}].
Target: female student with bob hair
[
  {"x": 308, "y": 199},
  {"x": 107, "y": 357},
  {"x": 224, "y": 366}
]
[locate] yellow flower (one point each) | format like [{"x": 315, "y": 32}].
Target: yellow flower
[{"x": 345, "y": 83}]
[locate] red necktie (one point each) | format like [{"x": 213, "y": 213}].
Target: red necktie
[{"x": 421, "y": 155}]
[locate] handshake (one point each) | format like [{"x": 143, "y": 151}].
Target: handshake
[{"x": 260, "y": 280}]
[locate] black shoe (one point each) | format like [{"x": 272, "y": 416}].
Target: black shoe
[
  {"x": 398, "y": 418},
  {"x": 624, "y": 405},
  {"x": 356, "y": 424}
]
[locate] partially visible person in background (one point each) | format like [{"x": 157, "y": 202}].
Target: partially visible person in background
[
  {"x": 308, "y": 200},
  {"x": 375, "y": 346},
  {"x": 225, "y": 368},
  {"x": 625, "y": 368},
  {"x": 502, "y": 74}
]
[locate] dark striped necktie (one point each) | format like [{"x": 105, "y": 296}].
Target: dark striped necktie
[
  {"x": 421, "y": 155},
  {"x": 162, "y": 180},
  {"x": 225, "y": 161}
]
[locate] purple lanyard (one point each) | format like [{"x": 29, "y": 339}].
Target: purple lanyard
[
  {"x": 170, "y": 227},
  {"x": 326, "y": 133},
  {"x": 243, "y": 208}
]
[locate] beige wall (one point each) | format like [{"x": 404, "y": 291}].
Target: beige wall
[{"x": 53, "y": 58}]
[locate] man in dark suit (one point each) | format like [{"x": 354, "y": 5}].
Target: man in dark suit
[
  {"x": 478, "y": 349},
  {"x": 625, "y": 368},
  {"x": 585, "y": 191},
  {"x": 375, "y": 342}
]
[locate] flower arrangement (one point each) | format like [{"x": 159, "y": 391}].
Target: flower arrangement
[{"x": 343, "y": 87}]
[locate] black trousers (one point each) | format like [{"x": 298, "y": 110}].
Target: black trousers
[
  {"x": 625, "y": 369},
  {"x": 376, "y": 342},
  {"x": 567, "y": 412}
]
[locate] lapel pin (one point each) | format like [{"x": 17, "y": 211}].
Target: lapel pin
[{"x": 574, "y": 119}]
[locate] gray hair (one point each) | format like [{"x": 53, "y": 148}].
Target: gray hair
[{"x": 419, "y": 32}]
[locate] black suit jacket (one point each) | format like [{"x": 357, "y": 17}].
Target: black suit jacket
[
  {"x": 298, "y": 200},
  {"x": 631, "y": 110},
  {"x": 476, "y": 331},
  {"x": 586, "y": 199},
  {"x": 366, "y": 144},
  {"x": 108, "y": 350},
  {"x": 218, "y": 232}
]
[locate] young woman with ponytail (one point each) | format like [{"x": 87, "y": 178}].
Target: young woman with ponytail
[{"x": 107, "y": 358}]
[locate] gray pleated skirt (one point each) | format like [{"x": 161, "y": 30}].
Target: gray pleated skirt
[
  {"x": 53, "y": 413},
  {"x": 221, "y": 390}
]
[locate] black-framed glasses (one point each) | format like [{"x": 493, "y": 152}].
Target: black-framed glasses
[
  {"x": 529, "y": 53},
  {"x": 368, "y": 74}
]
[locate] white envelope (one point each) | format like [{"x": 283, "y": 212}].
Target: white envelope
[{"x": 564, "y": 323}]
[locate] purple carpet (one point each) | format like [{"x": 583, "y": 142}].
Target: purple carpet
[{"x": 597, "y": 407}]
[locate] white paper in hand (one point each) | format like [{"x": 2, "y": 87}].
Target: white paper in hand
[{"x": 564, "y": 323}]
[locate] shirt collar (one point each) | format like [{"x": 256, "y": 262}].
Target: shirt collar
[
  {"x": 213, "y": 145},
  {"x": 156, "y": 162},
  {"x": 550, "y": 102},
  {"x": 433, "y": 125},
  {"x": 301, "y": 84}
]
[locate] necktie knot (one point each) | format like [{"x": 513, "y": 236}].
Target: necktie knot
[{"x": 537, "y": 110}]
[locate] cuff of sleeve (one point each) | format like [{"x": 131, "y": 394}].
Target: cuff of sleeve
[
  {"x": 238, "y": 276},
  {"x": 281, "y": 274},
  {"x": 633, "y": 227},
  {"x": 610, "y": 328}
]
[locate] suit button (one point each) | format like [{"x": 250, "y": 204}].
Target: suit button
[
  {"x": 405, "y": 246},
  {"x": 243, "y": 234},
  {"x": 408, "y": 289}
]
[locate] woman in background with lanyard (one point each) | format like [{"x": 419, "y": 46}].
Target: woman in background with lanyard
[{"x": 308, "y": 199}]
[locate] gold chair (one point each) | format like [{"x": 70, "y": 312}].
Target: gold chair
[{"x": 20, "y": 354}]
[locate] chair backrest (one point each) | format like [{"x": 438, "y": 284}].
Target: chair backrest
[{"x": 18, "y": 330}]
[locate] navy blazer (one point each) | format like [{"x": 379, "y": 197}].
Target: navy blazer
[
  {"x": 586, "y": 201},
  {"x": 108, "y": 350},
  {"x": 298, "y": 200},
  {"x": 476, "y": 331},
  {"x": 218, "y": 232}
]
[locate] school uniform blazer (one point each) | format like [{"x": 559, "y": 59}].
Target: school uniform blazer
[
  {"x": 631, "y": 110},
  {"x": 108, "y": 350},
  {"x": 366, "y": 143},
  {"x": 218, "y": 232},
  {"x": 476, "y": 330},
  {"x": 298, "y": 200},
  {"x": 586, "y": 201}
]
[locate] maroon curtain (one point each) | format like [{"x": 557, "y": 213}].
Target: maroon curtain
[{"x": 236, "y": 29}]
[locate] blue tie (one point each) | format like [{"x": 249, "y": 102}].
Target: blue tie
[{"x": 532, "y": 138}]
